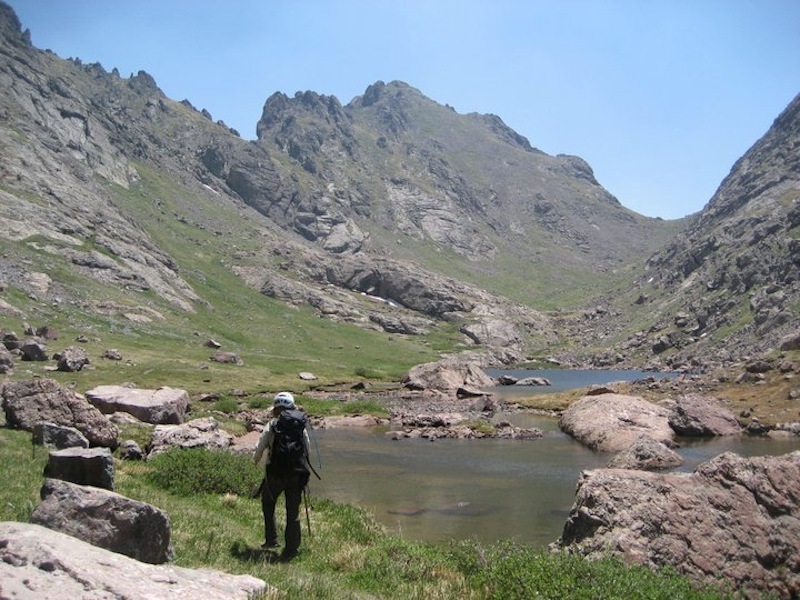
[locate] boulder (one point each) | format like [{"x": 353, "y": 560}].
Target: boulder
[
  {"x": 84, "y": 466},
  {"x": 613, "y": 422},
  {"x": 790, "y": 342},
  {"x": 72, "y": 359},
  {"x": 130, "y": 450},
  {"x": 447, "y": 376},
  {"x": 533, "y": 381},
  {"x": 733, "y": 517},
  {"x": 27, "y": 403},
  {"x": 51, "y": 435},
  {"x": 7, "y": 363},
  {"x": 696, "y": 415},
  {"x": 164, "y": 406},
  {"x": 37, "y": 562},
  {"x": 646, "y": 454},
  {"x": 11, "y": 341},
  {"x": 199, "y": 433},
  {"x": 112, "y": 354},
  {"x": 33, "y": 351},
  {"x": 105, "y": 519},
  {"x": 227, "y": 357}
]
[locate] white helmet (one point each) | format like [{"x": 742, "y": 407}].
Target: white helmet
[{"x": 284, "y": 400}]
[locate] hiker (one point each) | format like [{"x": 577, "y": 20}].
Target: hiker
[{"x": 283, "y": 451}]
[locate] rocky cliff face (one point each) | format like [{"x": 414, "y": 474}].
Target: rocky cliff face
[
  {"x": 404, "y": 168},
  {"x": 729, "y": 287}
]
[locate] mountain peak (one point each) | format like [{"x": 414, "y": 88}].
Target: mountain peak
[{"x": 11, "y": 27}]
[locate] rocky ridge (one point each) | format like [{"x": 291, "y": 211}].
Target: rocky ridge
[{"x": 727, "y": 289}]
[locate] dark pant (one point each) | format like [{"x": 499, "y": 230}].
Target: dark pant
[{"x": 292, "y": 488}]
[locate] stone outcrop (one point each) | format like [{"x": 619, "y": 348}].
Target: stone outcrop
[
  {"x": 447, "y": 375},
  {"x": 199, "y": 433},
  {"x": 457, "y": 426},
  {"x": 72, "y": 359},
  {"x": 37, "y": 562},
  {"x": 164, "y": 406},
  {"x": 733, "y": 516},
  {"x": 613, "y": 422},
  {"x": 51, "y": 435},
  {"x": 646, "y": 454},
  {"x": 105, "y": 519},
  {"x": 33, "y": 350},
  {"x": 27, "y": 403},
  {"x": 83, "y": 466},
  {"x": 696, "y": 415},
  {"x": 7, "y": 364}
]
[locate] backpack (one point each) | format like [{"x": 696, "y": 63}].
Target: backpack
[{"x": 288, "y": 456}]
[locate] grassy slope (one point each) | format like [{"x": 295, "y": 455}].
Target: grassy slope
[{"x": 205, "y": 239}]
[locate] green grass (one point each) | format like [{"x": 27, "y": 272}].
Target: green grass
[{"x": 215, "y": 524}]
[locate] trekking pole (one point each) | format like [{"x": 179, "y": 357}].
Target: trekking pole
[{"x": 308, "y": 519}]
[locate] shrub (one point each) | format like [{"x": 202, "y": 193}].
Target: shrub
[
  {"x": 200, "y": 471},
  {"x": 508, "y": 571}
]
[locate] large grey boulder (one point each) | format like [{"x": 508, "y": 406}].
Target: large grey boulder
[
  {"x": 696, "y": 415},
  {"x": 84, "y": 466},
  {"x": 447, "y": 375},
  {"x": 647, "y": 454},
  {"x": 72, "y": 359},
  {"x": 733, "y": 517},
  {"x": 37, "y": 562},
  {"x": 165, "y": 405},
  {"x": 27, "y": 403},
  {"x": 613, "y": 422},
  {"x": 198, "y": 433},
  {"x": 105, "y": 519}
]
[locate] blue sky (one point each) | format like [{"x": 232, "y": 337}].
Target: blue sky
[{"x": 659, "y": 96}]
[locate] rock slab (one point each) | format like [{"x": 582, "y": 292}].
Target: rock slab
[
  {"x": 696, "y": 415},
  {"x": 732, "y": 518},
  {"x": 36, "y": 562},
  {"x": 198, "y": 433},
  {"x": 164, "y": 406},
  {"x": 647, "y": 454},
  {"x": 613, "y": 422},
  {"x": 447, "y": 375},
  {"x": 84, "y": 466},
  {"x": 105, "y": 519}
]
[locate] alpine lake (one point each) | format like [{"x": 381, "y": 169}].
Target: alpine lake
[{"x": 489, "y": 489}]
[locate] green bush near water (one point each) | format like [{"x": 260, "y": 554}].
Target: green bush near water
[{"x": 200, "y": 471}]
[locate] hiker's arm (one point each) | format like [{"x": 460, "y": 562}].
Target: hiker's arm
[{"x": 261, "y": 455}]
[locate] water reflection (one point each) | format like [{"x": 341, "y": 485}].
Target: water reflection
[{"x": 483, "y": 489}]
